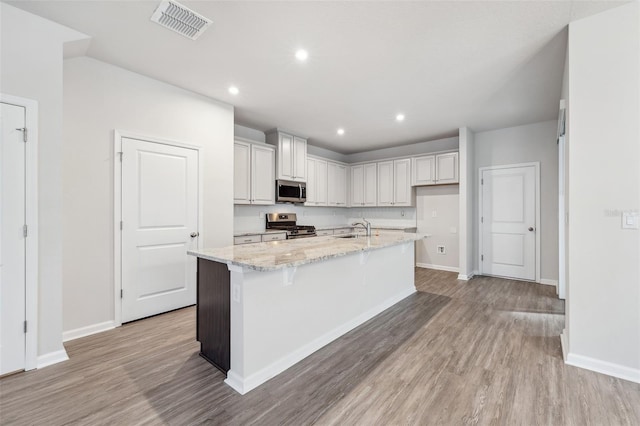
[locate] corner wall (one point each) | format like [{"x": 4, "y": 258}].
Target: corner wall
[
  {"x": 98, "y": 99},
  {"x": 31, "y": 67},
  {"x": 604, "y": 180}
]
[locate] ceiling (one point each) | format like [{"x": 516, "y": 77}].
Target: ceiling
[{"x": 444, "y": 65}]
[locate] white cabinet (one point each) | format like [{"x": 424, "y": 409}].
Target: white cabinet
[
  {"x": 316, "y": 182},
  {"x": 336, "y": 184},
  {"x": 291, "y": 155},
  {"x": 254, "y": 176},
  {"x": 435, "y": 169},
  {"x": 447, "y": 168},
  {"x": 394, "y": 183},
  {"x": 364, "y": 184}
]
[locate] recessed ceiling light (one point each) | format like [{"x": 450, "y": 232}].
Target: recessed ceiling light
[
  {"x": 302, "y": 55},
  {"x": 400, "y": 117},
  {"x": 234, "y": 90},
  {"x": 341, "y": 132}
]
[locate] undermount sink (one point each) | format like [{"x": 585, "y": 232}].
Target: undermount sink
[{"x": 350, "y": 236}]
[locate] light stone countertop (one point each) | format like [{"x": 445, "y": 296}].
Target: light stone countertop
[
  {"x": 383, "y": 227},
  {"x": 274, "y": 255},
  {"x": 266, "y": 231}
]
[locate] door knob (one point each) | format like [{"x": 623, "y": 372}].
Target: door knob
[
  {"x": 531, "y": 228},
  {"x": 195, "y": 234}
]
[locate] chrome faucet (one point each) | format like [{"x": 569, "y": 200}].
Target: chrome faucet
[{"x": 365, "y": 224}]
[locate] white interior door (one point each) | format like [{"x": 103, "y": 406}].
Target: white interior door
[
  {"x": 508, "y": 222},
  {"x": 160, "y": 215},
  {"x": 13, "y": 240}
]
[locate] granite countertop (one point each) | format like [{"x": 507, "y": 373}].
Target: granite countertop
[
  {"x": 266, "y": 231},
  {"x": 390, "y": 228},
  {"x": 274, "y": 255}
]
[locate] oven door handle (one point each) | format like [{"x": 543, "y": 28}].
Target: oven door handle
[{"x": 300, "y": 188}]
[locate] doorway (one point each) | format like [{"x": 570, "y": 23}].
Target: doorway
[
  {"x": 19, "y": 231},
  {"x": 159, "y": 221},
  {"x": 509, "y": 221}
]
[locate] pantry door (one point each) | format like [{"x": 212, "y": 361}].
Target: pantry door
[
  {"x": 509, "y": 221},
  {"x": 159, "y": 225}
]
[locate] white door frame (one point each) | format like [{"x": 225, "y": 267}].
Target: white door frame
[
  {"x": 535, "y": 164},
  {"x": 117, "y": 206},
  {"x": 31, "y": 200}
]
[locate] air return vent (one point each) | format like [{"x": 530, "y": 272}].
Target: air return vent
[{"x": 180, "y": 19}]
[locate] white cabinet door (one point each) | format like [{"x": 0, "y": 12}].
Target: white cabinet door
[
  {"x": 241, "y": 173},
  {"x": 357, "y": 185},
  {"x": 402, "y": 182},
  {"x": 336, "y": 184},
  {"x": 447, "y": 168},
  {"x": 285, "y": 156},
  {"x": 423, "y": 170},
  {"x": 299, "y": 159},
  {"x": 385, "y": 183},
  {"x": 321, "y": 183},
  {"x": 262, "y": 175},
  {"x": 370, "y": 184},
  {"x": 312, "y": 182}
]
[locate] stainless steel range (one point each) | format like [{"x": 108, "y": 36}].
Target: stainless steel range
[{"x": 287, "y": 222}]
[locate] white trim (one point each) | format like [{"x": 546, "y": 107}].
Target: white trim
[
  {"x": 463, "y": 277},
  {"x": 438, "y": 267},
  {"x": 52, "y": 358},
  {"x": 117, "y": 205},
  {"x": 88, "y": 330},
  {"x": 547, "y": 281},
  {"x": 538, "y": 225},
  {"x": 242, "y": 386},
  {"x": 604, "y": 367},
  {"x": 31, "y": 200},
  {"x": 563, "y": 344}
]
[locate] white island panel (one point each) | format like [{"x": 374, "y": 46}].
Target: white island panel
[{"x": 279, "y": 317}]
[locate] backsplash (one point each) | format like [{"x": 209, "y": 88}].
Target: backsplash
[{"x": 248, "y": 218}]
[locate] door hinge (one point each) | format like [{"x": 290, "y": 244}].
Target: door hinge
[
  {"x": 121, "y": 293},
  {"x": 120, "y": 153},
  {"x": 25, "y": 231},
  {"x": 482, "y": 219},
  {"x": 121, "y": 225},
  {"x": 482, "y": 257},
  {"x": 24, "y": 133},
  {"x": 25, "y": 326}
]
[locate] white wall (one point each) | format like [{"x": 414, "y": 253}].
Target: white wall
[
  {"x": 99, "y": 98},
  {"x": 249, "y": 133},
  {"x": 444, "y": 201},
  {"x": 467, "y": 188},
  {"x": 522, "y": 144},
  {"x": 604, "y": 180},
  {"x": 31, "y": 67}
]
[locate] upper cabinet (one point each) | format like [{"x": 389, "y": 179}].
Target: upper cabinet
[
  {"x": 291, "y": 155},
  {"x": 254, "y": 176},
  {"x": 364, "y": 184},
  {"x": 436, "y": 169},
  {"x": 336, "y": 184},
  {"x": 316, "y": 182},
  {"x": 394, "y": 183}
]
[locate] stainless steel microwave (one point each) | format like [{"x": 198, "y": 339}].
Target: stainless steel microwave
[{"x": 290, "y": 192}]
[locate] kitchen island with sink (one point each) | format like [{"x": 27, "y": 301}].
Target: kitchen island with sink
[{"x": 263, "y": 307}]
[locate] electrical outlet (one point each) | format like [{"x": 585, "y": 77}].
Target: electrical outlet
[
  {"x": 402, "y": 213},
  {"x": 236, "y": 293},
  {"x": 441, "y": 250},
  {"x": 434, "y": 213}
]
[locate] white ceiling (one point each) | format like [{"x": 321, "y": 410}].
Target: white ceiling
[{"x": 445, "y": 65}]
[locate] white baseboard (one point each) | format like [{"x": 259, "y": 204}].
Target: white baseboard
[
  {"x": 464, "y": 277},
  {"x": 604, "y": 367},
  {"x": 437, "y": 267},
  {"x": 244, "y": 385},
  {"x": 546, "y": 281},
  {"x": 52, "y": 358},
  {"x": 88, "y": 330}
]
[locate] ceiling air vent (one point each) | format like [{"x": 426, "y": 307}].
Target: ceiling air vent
[{"x": 180, "y": 19}]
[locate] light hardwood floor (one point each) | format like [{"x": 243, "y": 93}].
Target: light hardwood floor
[{"x": 485, "y": 351}]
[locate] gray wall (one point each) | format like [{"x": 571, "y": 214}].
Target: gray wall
[{"x": 523, "y": 144}]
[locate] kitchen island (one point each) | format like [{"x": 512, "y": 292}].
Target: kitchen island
[{"x": 263, "y": 307}]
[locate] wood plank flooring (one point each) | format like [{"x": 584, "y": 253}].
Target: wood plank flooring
[{"x": 485, "y": 351}]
